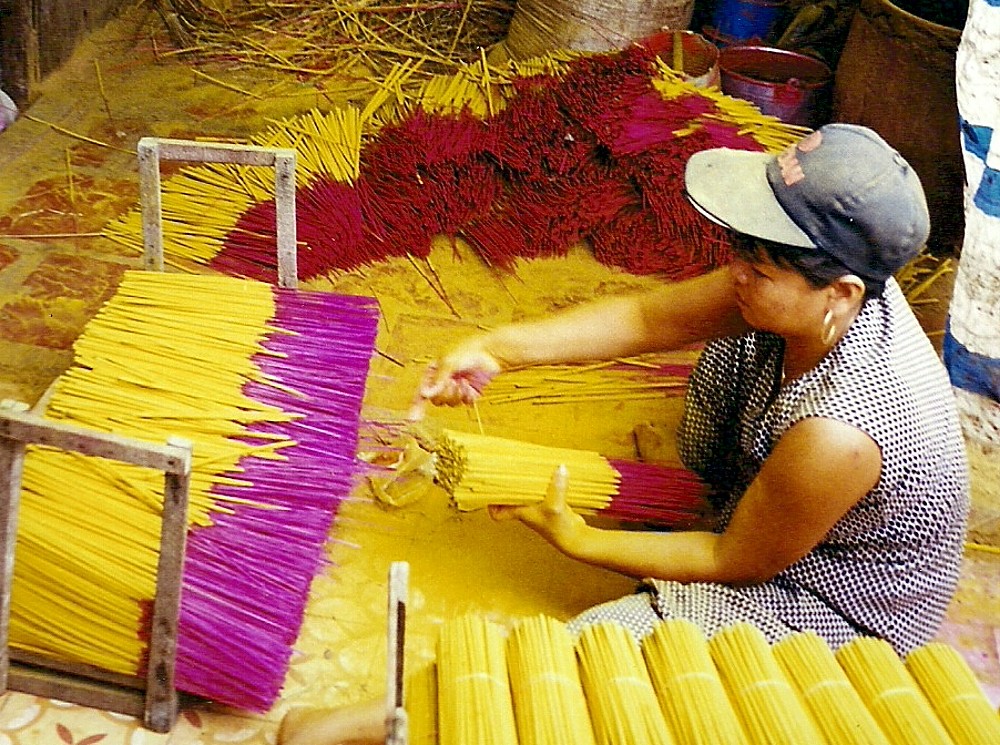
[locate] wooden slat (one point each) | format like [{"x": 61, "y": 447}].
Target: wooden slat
[
  {"x": 28, "y": 428},
  {"x": 25, "y": 660},
  {"x": 11, "y": 467},
  {"x": 284, "y": 204},
  {"x": 161, "y": 696},
  {"x": 39, "y": 681}
]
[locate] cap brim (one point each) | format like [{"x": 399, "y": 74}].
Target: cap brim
[{"x": 730, "y": 188}]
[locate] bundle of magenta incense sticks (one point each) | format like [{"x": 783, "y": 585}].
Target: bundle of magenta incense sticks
[{"x": 479, "y": 470}]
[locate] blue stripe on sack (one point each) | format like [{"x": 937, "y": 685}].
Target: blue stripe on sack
[
  {"x": 976, "y": 138},
  {"x": 987, "y": 198},
  {"x": 969, "y": 371}
]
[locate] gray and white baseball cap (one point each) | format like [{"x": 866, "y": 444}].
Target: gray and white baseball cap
[{"x": 841, "y": 189}]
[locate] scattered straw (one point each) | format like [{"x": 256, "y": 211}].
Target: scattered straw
[
  {"x": 104, "y": 95},
  {"x": 318, "y": 37},
  {"x": 74, "y": 135}
]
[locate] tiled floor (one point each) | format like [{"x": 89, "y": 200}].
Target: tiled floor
[{"x": 56, "y": 183}]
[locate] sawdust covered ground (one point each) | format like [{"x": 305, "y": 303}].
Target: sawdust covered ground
[{"x": 50, "y": 287}]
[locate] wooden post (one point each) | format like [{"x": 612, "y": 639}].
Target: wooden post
[
  {"x": 151, "y": 204},
  {"x": 284, "y": 204},
  {"x": 396, "y": 721},
  {"x": 11, "y": 467},
  {"x": 161, "y": 696}
]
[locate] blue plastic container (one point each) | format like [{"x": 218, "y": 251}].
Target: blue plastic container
[{"x": 737, "y": 21}]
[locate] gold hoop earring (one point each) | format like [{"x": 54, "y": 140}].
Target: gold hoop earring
[{"x": 829, "y": 332}]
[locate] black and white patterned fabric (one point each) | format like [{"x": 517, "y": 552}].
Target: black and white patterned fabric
[{"x": 889, "y": 567}]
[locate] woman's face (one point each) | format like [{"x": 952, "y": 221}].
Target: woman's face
[{"x": 773, "y": 298}]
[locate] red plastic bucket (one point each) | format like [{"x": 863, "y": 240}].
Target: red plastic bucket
[
  {"x": 698, "y": 58},
  {"x": 790, "y": 86}
]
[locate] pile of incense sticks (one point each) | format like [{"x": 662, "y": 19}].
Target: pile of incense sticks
[
  {"x": 479, "y": 470},
  {"x": 538, "y": 685},
  {"x": 522, "y": 161},
  {"x": 649, "y": 377},
  {"x": 268, "y": 384}
]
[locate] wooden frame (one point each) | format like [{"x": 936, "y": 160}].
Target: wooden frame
[
  {"x": 152, "y": 150},
  {"x": 396, "y": 722},
  {"x": 154, "y": 699}
]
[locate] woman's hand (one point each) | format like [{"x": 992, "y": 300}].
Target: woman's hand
[
  {"x": 552, "y": 518},
  {"x": 458, "y": 378}
]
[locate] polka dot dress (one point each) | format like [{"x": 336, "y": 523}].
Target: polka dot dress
[{"x": 889, "y": 567}]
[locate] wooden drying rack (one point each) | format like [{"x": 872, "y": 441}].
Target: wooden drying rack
[
  {"x": 153, "y": 697},
  {"x": 153, "y": 150}
]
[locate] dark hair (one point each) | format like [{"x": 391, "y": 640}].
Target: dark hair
[{"x": 816, "y": 266}]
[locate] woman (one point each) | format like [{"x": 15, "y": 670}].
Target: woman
[{"x": 818, "y": 411}]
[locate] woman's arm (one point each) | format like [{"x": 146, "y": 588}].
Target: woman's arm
[
  {"x": 670, "y": 317},
  {"x": 819, "y": 469}
]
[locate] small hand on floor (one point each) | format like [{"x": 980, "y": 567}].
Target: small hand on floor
[{"x": 654, "y": 443}]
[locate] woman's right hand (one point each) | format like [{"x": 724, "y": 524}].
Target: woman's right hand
[{"x": 458, "y": 377}]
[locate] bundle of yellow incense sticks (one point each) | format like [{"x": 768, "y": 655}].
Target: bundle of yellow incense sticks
[
  {"x": 479, "y": 470},
  {"x": 678, "y": 686}
]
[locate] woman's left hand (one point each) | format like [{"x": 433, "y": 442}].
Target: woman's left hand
[{"x": 552, "y": 518}]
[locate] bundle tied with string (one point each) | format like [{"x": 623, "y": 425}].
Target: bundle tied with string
[
  {"x": 835, "y": 705},
  {"x": 267, "y": 384},
  {"x": 765, "y": 702},
  {"x": 953, "y": 690},
  {"x": 678, "y": 685},
  {"x": 480, "y": 470},
  {"x": 890, "y": 692},
  {"x": 688, "y": 685}
]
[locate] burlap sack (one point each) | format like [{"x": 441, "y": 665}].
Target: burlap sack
[{"x": 541, "y": 26}]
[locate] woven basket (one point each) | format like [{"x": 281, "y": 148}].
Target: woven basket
[{"x": 540, "y": 26}]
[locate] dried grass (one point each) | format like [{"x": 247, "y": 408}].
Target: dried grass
[{"x": 315, "y": 37}]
